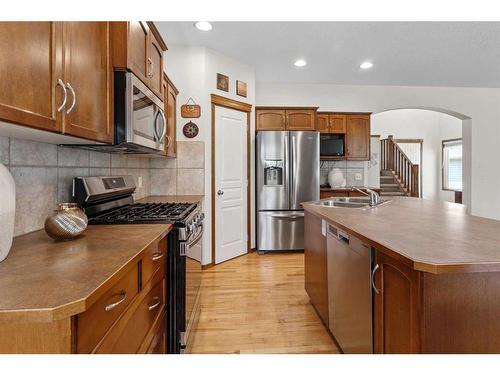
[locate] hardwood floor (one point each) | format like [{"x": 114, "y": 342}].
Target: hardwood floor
[{"x": 258, "y": 304}]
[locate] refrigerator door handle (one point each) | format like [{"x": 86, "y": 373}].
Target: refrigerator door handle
[
  {"x": 289, "y": 216},
  {"x": 285, "y": 170},
  {"x": 293, "y": 174}
]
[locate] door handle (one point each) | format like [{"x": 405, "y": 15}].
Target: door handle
[
  {"x": 288, "y": 216},
  {"x": 65, "y": 97},
  {"x": 373, "y": 279},
  {"x": 68, "y": 85},
  {"x": 220, "y": 192}
]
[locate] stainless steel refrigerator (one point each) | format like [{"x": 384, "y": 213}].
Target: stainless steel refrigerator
[{"x": 287, "y": 174}]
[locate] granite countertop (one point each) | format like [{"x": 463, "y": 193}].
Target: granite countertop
[
  {"x": 44, "y": 280},
  {"x": 431, "y": 236}
]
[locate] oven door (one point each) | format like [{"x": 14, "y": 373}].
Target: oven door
[
  {"x": 146, "y": 122},
  {"x": 191, "y": 293}
]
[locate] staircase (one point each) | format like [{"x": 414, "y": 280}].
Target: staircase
[{"x": 398, "y": 175}]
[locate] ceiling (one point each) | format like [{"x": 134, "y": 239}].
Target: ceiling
[{"x": 403, "y": 53}]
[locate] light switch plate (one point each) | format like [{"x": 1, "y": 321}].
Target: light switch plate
[
  {"x": 323, "y": 228},
  {"x": 358, "y": 176},
  {"x": 139, "y": 182}
]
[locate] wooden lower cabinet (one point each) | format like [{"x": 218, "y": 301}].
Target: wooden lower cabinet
[{"x": 396, "y": 319}]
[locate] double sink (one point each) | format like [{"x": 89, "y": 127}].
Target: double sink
[{"x": 348, "y": 202}]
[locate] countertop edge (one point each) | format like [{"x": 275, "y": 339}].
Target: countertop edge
[
  {"x": 50, "y": 314},
  {"x": 417, "y": 265}
]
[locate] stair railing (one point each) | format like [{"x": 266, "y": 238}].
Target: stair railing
[{"x": 393, "y": 158}]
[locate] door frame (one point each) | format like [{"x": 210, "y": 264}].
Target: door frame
[{"x": 222, "y": 101}]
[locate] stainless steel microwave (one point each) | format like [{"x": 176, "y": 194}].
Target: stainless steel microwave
[
  {"x": 139, "y": 119},
  {"x": 140, "y": 122},
  {"x": 332, "y": 145}
]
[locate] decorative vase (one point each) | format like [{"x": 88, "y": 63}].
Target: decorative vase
[
  {"x": 66, "y": 222},
  {"x": 7, "y": 211},
  {"x": 336, "y": 178}
]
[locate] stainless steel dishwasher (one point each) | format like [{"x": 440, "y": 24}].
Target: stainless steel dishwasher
[{"x": 349, "y": 291}]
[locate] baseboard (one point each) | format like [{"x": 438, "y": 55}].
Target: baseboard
[{"x": 206, "y": 266}]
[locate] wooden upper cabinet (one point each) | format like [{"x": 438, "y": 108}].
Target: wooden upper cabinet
[
  {"x": 30, "y": 67},
  {"x": 283, "y": 118},
  {"x": 337, "y": 123},
  {"x": 396, "y": 308},
  {"x": 171, "y": 114},
  {"x": 358, "y": 137},
  {"x": 138, "y": 46},
  {"x": 88, "y": 81},
  {"x": 155, "y": 66},
  {"x": 300, "y": 119},
  {"x": 270, "y": 119},
  {"x": 322, "y": 124}
]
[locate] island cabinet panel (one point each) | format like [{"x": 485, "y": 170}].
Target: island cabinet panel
[
  {"x": 88, "y": 80},
  {"x": 300, "y": 119},
  {"x": 461, "y": 313},
  {"x": 358, "y": 137},
  {"x": 315, "y": 264},
  {"x": 270, "y": 119},
  {"x": 30, "y": 67},
  {"x": 396, "y": 319}
]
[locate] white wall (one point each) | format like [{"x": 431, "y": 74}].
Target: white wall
[
  {"x": 481, "y": 133},
  {"x": 433, "y": 128},
  {"x": 193, "y": 70}
]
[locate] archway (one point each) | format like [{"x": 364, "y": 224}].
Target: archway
[{"x": 463, "y": 122}]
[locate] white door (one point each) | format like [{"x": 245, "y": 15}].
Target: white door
[{"x": 230, "y": 183}]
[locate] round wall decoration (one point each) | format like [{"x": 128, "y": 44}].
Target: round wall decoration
[{"x": 190, "y": 130}]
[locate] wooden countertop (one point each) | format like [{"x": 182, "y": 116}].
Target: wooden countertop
[
  {"x": 43, "y": 280},
  {"x": 430, "y": 236},
  {"x": 172, "y": 199}
]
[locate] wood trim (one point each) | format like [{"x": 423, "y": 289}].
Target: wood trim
[
  {"x": 285, "y": 107},
  {"x": 403, "y": 140},
  {"x": 221, "y": 101},
  {"x": 207, "y": 266},
  {"x": 442, "y": 162},
  {"x": 157, "y": 35},
  {"x": 342, "y": 113},
  {"x": 169, "y": 82},
  {"x": 230, "y": 103}
]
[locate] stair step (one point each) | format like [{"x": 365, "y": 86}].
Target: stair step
[
  {"x": 383, "y": 185},
  {"x": 392, "y": 193}
]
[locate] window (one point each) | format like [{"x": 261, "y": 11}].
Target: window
[{"x": 452, "y": 165}]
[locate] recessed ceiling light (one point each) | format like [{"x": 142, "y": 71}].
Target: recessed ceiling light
[
  {"x": 300, "y": 63},
  {"x": 366, "y": 65},
  {"x": 203, "y": 25}
]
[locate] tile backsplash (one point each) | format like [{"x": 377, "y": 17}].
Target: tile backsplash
[
  {"x": 354, "y": 171},
  {"x": 184, "y": 175},
  {"x": 44, "y": 172}
]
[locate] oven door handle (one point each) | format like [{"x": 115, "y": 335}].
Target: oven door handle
[{"x": 197, "y": 237}]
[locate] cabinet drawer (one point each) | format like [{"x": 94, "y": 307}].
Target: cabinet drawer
[
  {"x": 153, "y": 259},
  {"x": 93, "y": 323},
  {"x": 130, "y": 331},
  {"x": 158, "y": 343}
]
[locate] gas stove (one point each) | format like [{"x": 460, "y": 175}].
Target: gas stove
[{"x": 143, "y": 213}]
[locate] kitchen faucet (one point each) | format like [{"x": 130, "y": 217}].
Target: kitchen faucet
[{"x": 374, "y": 197}]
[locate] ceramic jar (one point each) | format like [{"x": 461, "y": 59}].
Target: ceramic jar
[
  {"x": 66, "y": 222},
  {"x": 7, "y": 211},
  {"x": 336, "y": 178}
]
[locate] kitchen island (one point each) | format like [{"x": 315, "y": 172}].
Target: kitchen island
[{"x": 438, "y": 273}]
